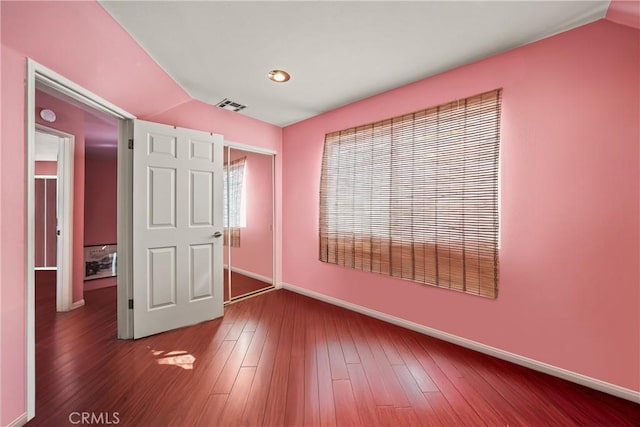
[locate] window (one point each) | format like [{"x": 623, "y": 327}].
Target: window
[
  {"x": 416, "y": 196},
  {"x": 235, "y": 201}
]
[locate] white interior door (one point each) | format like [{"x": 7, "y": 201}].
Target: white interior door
[{"x": 177, "y": 224}]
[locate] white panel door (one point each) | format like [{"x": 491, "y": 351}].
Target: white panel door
[{"x": 177, "y": 224}]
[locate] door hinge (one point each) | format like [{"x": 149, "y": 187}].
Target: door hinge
[
  {"x": 130, "y": 304},
  {"x": 131, "y": 144}
]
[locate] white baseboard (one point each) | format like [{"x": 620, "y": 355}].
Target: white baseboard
[
  {"x": 256, "y": 276},
  {"x": 18, "y": 422},
  {"x": 574, "y": 377},
  {"x": 77, "y": 304}
]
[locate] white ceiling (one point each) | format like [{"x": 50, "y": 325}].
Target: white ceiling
[{"x": 336, "y": 52}]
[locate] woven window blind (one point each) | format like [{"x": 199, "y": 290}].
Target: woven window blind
[
  {"x": 416, "y": 196},
  {"x": 234, "y": 206},
  {"x": 232, "y": 234}
]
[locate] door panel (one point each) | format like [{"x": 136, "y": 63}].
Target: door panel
[
  {"x": 177, "y": 210},
  {"x": 201, "y": 271},
  {"x": 161, "y": 282},
  {"x": 162, "y": 197},
  {"x": 201, "y": 199}
]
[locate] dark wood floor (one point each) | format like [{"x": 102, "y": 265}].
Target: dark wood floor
[
  {"x": 241, "y": 285},
  {"x": 284, "y": 359}
]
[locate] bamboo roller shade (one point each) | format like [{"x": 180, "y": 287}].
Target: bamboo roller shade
[{"x": 416, "y": 196}]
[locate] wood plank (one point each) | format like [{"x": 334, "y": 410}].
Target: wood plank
[
  {"x": 237, "y": 399},
  {"x": 469, "y": 368},
  {"x": 240, "y": 316},
  {"x": 372, "y": 371},
  {"x": 364, "y": 402},
  {"x": 274, "y": 410},
  {"x": 385, "y": 337},
  {"x": 407, "y": 417},
  {"x": 232, "y": 366},
  {"x": 342, "y": 318},
  {"x": 212, "y": 410},
  {"x": 472, "y": 388},
  {"x": 464, "y": 411},
  {"x": 421, "y": 377},
  {"x": 205, "y": 373},
  {"x": 443, "y": 410},
  {"x": 254, "y": 315},
  {"x": 266, "y": 321},
  {"x": 516, "y": 389},
  {"x": 325, "y": 382},
  {"x": 294, "y": 410},
  {"x": 336, "y": 357},
  {"x": 387, "y": 375},
  {"x": 259, "y": 393},
  {"x": 311, "y": 388},
  {"x": 346, "y": 411},
  {"x": 387, "y": 416},
  {"x": 417, "y": 401}
]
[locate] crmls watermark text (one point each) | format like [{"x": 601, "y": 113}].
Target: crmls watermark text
[{"x": 104, "y": 418}]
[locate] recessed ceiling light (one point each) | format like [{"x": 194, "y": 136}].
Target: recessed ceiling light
[{"x": 279, "y": 76}]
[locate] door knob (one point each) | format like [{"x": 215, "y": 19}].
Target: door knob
[{"x": 217, "y": 234}]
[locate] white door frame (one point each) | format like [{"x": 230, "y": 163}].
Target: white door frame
[
  {"x": 37, "y": 73},
  {"x": 64, "y": 253}
]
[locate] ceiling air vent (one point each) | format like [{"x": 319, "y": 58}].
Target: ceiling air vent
[{"x": 228, "y": 104}]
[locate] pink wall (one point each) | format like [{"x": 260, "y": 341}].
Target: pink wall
[
  {"x": 100, "y": 204},
  {"x": 12, "y": 233},
  {"x": 569, "y": 293},
  {"x": 45, "y": 31},
  {"x": 256, "y": 244},
  {"x": 624, "y": 12},
  {"x": 2, "y": 317},
  {"x": 46, "y": 168}
]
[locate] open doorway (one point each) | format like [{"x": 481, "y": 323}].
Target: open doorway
[
  {"x": 53, "y": 214},
  {"x": 75, "y": 157},
  {"x": 75, "y": 216},
  {"x": 43, "y": 82},
  {"x": 46, "y": 212}
]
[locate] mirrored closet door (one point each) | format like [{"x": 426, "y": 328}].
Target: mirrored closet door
[{"x": 248, "y": 220}]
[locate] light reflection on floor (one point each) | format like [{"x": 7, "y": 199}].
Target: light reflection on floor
[{"x": 181, "y": 359}]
